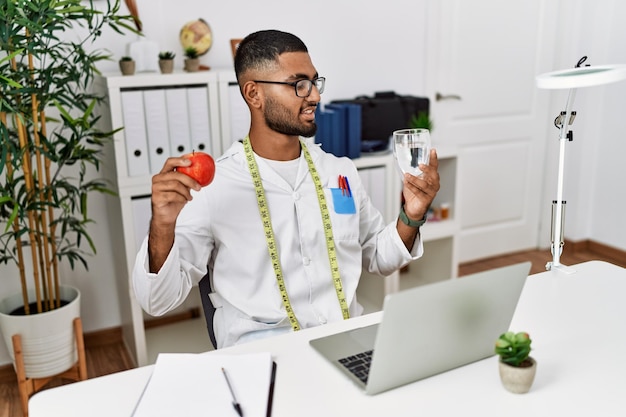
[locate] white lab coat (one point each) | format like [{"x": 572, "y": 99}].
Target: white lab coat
[{"x": 221, "y": 227}]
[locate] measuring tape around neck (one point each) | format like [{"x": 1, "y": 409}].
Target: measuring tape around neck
[{"x": 271, "y": 242}]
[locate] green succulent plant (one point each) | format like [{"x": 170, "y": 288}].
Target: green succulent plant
[
  {"x": 513, "y": 348},
  {"x": 167, "y": 55},
  {"x": 191, "y": 52},
  {"x": 126, "y": 58},
  {"x": 421, "y": 121}
]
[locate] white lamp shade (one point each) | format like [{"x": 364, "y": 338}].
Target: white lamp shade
[{"x": 582, "y": 77}]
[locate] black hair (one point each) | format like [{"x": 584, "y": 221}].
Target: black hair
[{"x": 261, "y": 49}]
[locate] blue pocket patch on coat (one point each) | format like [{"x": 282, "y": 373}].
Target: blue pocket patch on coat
[{"x": 343, "y": 203}]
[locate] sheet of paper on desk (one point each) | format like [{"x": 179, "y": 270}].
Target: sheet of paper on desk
[{"x": 192, "y": 384}]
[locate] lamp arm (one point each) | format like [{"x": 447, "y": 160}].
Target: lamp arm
[{"x": 558, "y": 221}]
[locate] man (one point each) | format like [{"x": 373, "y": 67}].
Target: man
[{"x": 283, "y": 239}]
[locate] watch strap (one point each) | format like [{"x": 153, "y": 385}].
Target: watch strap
[{"x": 412, "y": 223}]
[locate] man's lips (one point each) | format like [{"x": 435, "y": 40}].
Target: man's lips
[{"x": 308, "y": 113}]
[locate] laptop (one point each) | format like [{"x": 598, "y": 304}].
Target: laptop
[{"x": 428, "y": 330}]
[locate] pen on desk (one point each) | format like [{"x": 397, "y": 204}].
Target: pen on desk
[{"x": 236, "y": 404}]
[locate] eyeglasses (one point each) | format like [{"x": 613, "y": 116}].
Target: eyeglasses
[{"x": 303, "y": 87}]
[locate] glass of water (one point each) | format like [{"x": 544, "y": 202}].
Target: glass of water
[{"x": 411, "y": 147}]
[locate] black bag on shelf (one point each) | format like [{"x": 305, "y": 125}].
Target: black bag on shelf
[{"x": 383, "y": 113}]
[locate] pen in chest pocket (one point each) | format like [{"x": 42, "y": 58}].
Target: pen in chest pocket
[
  {"x": 348, "y": 186},
  {"x": 344, "y": 186}
]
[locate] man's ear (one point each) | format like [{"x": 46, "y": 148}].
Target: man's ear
[{"x": 252, "y": 94}]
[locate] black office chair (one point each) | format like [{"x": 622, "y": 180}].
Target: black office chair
[{"x": 209, "y": 310}]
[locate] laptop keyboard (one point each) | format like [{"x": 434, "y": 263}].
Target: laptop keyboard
[{"x": 359, "y": 364}]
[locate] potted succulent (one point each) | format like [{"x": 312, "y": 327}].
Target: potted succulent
[
  {"x": 421, "y": 121},
  {"x": 50, "y": 147},
  {"x": 166, "y": 62},
  {"x": 192, "y": 59},
  {"x": 517, "y": 368},
  {"x": 127, "y": 65}
]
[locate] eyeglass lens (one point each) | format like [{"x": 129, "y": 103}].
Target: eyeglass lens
[{"x": 303, "y": 87}]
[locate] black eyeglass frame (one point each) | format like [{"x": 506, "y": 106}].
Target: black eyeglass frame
[{"x": 294, "y": 84}]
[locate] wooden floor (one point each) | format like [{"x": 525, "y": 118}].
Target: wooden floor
[
  {"x": 539, "y": 259},
  {"x": 104, "y": 358}
]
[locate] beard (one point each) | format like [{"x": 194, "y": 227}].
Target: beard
[{"x": 279, "y": 119}]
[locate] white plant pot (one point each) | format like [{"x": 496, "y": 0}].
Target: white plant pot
[
  {"x": 517, "y": 380},
  {"x": 48, "y": 341}
]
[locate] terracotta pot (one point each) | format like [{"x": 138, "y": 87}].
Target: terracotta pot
[
  {"x": 192, "y": 64},
  {"x": 517, "y": 379},
  {"x": 48, "y": 340},
  {"x": 166, "y": 66},
  {"x": 127, "y": 67}
]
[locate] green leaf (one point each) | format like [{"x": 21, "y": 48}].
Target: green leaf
[{"x": 64, "y": 71}]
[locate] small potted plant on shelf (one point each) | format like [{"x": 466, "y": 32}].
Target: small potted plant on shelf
[
  {"x": 421, "y": 121},
  {"x": 192, "y": 60},
  {"x": 166, "y": 62},
  {"x": 127, "y": 65},
  {"x": 517, "y": 368}
]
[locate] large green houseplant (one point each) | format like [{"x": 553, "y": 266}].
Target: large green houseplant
[
  {"x": 50, "y": 149},
  {"x": 49, "y": 133},
  {"x": 50, "y": 146}
]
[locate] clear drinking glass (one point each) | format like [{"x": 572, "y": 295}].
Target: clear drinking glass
[{"x": 411, "y": 147}]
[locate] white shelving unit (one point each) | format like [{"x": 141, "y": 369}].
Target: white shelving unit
[
  {"x": 228, "y": 120},
  {"x": 133, "y": 211}
]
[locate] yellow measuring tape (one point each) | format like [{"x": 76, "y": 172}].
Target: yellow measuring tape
[{"x": 271, "y": 242}]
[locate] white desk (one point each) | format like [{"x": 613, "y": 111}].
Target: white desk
[{"x": 577, "y": 323}]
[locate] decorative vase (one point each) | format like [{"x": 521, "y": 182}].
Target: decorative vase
[
  {"x": 48, "y": 340},
  {"x": 127, "y": 67},
  {"x": 517, "y": 379},
  {"x": 142, "y": 52},
  {"x": 192, "y": 64},
  {"x": 166, "y": 66}
]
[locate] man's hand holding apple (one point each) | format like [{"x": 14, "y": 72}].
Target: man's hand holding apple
[{"x": 171, "y": 190}]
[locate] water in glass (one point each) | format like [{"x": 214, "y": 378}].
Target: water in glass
[{"x": 411, "y": 148}]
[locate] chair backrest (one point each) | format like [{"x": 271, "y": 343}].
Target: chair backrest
[{"x": 209, "y": 310}]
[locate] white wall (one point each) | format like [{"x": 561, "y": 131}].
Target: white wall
[
  {"x": 358, "y": 47},
  {"x": 608, "y": 198}
]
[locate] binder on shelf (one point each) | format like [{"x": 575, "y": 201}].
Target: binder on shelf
[
  {"x": 322, "y": 136},
  {"x": 340, "y": 125},
  {"x": 353, "y": 145},
  {"x": 156, "y": 128},
  {"x": 199, "y": 118},
  {"x": 135, "y": 133},
  {"x": 178, "y": 121},
  {"x": 339, "y": 129}
]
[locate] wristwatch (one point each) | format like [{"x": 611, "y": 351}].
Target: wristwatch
[{"x": 405, "y": 219}]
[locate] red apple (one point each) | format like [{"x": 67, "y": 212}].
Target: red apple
[{"x": 202, "y": 168}]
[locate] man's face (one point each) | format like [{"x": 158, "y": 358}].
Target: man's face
[{"x": 284, "y": 111}]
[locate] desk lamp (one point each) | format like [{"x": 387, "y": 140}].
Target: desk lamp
[{"x": 572, "y": 79}]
